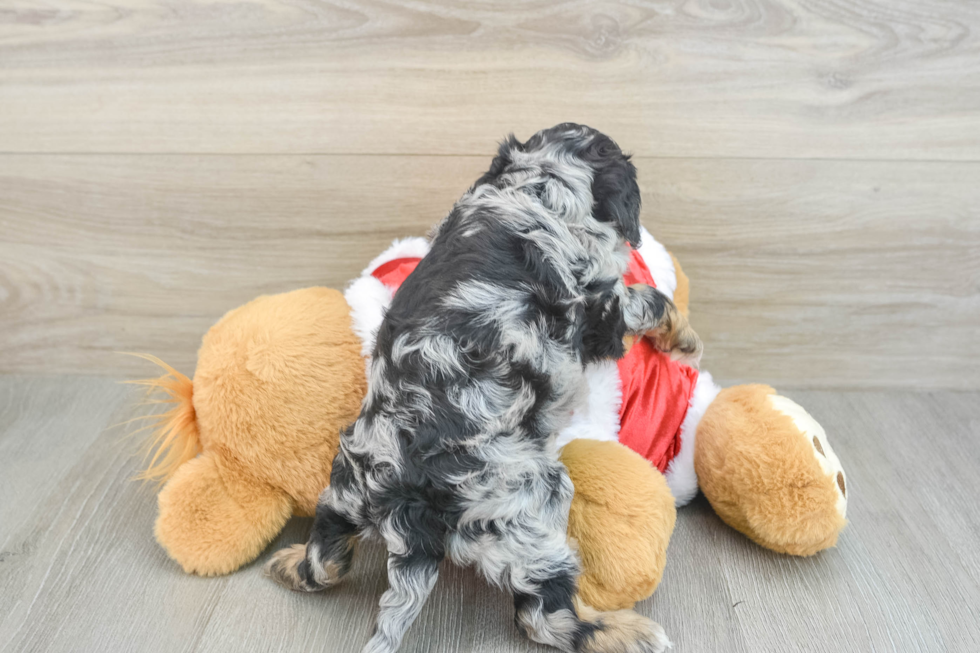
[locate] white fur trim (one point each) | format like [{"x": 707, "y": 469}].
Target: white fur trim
[
  {"x": 809, "y": 429},
  {"x": 414, "y": 247},
  {"x": 681, "y": 477},
  {"x": 368, "y": 298},
  {"x": 658, "y": 260},
  {"x": 598, "y": 419}
]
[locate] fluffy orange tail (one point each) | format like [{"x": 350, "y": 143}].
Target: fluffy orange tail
[{"x": 175, "y": 438}]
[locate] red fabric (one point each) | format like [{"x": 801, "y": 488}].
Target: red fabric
[
  {"x": 656, "y": 390},
  {"x": 394, "y": 272},
  {"x": 638, "y": 271},
  {"x": 656, "y": 394}
]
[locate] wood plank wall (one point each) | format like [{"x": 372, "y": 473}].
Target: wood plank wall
[{"x": 814, "y": 164}]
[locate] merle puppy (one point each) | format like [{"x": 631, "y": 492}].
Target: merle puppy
[{"x": 477, "y": 366}]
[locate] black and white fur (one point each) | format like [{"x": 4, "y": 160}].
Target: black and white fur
[{"x": 477, "y": 366}]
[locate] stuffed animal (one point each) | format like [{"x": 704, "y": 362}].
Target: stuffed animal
[
  {"x": 762, "y": 461},
  {"x": 251, "y": 440}
]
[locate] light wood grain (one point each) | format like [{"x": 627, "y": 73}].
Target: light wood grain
[
  {"x": 833, "y": 274},
  {"x": 79, "y": 570},
  {"x": 888, "y": 79},
  {"x": 813, "y": 163},
  {"x": 804, "y": 273}
]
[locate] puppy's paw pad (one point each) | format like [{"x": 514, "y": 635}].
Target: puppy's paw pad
[
  {"x": 687, "y": 347},
  {"x": 656, "y": 642},
  {"x": 283, "y": 567},
  {"x": 624, "y": 631}
]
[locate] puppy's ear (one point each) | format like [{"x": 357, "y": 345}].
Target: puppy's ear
[
  {"x": 615, "y": 193},
  {"x": 501, "y": 161}
]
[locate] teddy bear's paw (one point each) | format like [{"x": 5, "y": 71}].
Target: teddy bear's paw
[
  {"x": 817, "y": 440},
  {"x": 622, "y": 631},
  {"x": 284, "y": 568}
]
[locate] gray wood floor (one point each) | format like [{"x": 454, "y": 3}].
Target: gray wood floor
[{"x": 79, "y": 570}]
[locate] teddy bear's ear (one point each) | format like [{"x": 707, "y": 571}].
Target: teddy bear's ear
[{"x": 213, "y": 520}]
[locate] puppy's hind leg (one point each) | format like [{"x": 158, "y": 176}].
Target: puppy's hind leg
[
  {"x": 416, "y": 540},
  {"x": 327, "y": 556},
  {"x": 621, "y": 631},
  {"x": 410, "y": 580},
  {"x": 529, "y": 554},
  {"x": 547, "y": 613},
  {"x": 323, "y": 560}
]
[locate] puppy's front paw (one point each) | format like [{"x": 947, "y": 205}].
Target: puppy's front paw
[
  {"x": 687, "y": 347},
  {"x": 676, "y": 337}
]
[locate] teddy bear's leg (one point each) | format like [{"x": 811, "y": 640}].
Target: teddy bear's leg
[
  {"x": 768, "y": 470},
  {"x": 212, "y": 521},
  {"x": 621, "y": 518}
]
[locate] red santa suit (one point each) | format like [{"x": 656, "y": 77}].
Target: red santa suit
[{"x": 645, "y": 401}]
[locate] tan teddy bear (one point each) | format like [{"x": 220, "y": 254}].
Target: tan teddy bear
[{"x": 251, "y": 440}]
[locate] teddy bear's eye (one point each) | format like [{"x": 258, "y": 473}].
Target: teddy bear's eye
[{"x": 816, "y": 445}]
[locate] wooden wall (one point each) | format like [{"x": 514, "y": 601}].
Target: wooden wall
[{"x": 814, "y": 164}]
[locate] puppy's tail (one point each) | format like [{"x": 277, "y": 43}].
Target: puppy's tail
[{"x": 175, "y": 438}]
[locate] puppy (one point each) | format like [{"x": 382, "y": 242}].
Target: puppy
[{"x": 477, "y": 366}]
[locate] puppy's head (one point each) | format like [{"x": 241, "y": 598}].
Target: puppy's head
[{"x": 565, "y": 149}]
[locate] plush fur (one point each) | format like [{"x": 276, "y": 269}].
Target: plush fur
[
  {"x": 597, "y": 418},
  {"x": 764, "y": 476},
  {"x": 682, "y": 293},
  {"x": 681, "y": 476},
  {"x": 368, "y": 297},
  {"x": 476, "y": 368},
  {"x": 622, "y": 528},
  {"x": 662, "y": 265},
  {"x": 266, "y": 451}
]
